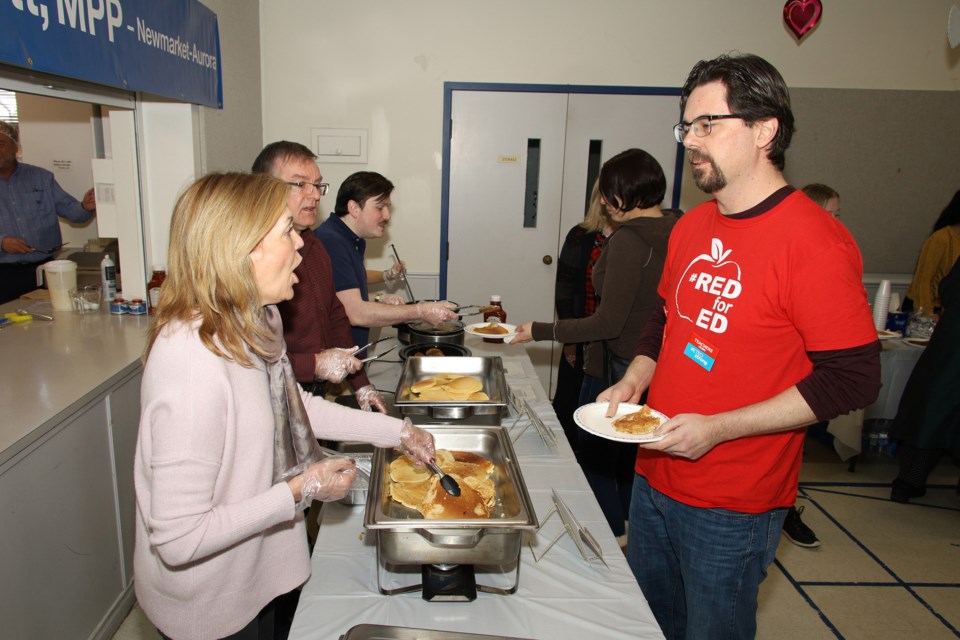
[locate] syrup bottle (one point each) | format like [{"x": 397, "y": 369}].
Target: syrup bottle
[
  {"x": 495, "y": 314},
  {"x": 153, "y": 287}
]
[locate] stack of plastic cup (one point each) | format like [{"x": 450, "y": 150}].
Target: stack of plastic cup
[{"x": 881, "y": 305}]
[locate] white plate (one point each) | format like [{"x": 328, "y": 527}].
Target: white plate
[
  {"x": 917, "y": 342},
  {"x": 592, "y": 417},
  {"x": 472, "y": 330},
  {"x": 883, "y": 334}
]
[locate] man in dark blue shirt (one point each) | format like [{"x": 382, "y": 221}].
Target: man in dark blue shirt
[{"x": 362, "y": 212}]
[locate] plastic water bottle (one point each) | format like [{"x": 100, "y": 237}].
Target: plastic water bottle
[
  {"x": 108, "y": 278},
  {"x": 882, "y": 441}
]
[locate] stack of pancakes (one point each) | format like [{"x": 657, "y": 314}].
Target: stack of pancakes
[
  {"x": 493, "y": 328},
  {"x": 416, "y": 488},
  {"x": 445, "y": 386}
]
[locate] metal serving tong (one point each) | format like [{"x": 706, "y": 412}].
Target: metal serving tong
[
  {"x": 447, "y": 482},
  {"x": 478, "y": 307},
  {"x": 379, "y": 355},
  {"x": 370, "y": 344},
  {"x": 406, "y": 283},
  {"x": 363, "y": 466}
]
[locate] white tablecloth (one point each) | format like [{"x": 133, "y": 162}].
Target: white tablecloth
[
  {"x": 559, "y": 596},
  {"x": 896, "y": 364}
]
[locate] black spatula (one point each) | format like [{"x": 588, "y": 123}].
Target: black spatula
[{"x": 447, "y": 482}]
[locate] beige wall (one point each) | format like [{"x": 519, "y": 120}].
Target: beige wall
[
  {"x": 230, "y": 138},
  {"x": 381, "y": 65}
]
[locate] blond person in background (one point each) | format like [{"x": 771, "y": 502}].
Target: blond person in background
[
  {"x": 227, "y": 457},
  {"x": 632, "y": 186},
  {"x": 824, "y": 196},
  {"x": 575, "y": 297}
]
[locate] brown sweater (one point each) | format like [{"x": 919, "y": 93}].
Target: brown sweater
[{"x": 625, "y": 279}]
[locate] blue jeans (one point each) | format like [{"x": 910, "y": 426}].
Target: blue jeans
[{"x": 700, "y": 569}]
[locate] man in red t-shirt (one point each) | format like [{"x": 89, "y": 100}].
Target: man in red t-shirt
[{"x": 764, "y": 329}]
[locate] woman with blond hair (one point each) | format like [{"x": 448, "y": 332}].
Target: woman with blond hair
[
  {"x": 575, "y": 297},
  {"x": 826, "y": 197},
  {"x": 632, "y": 186},
  {"x": 227, "y": 456}
]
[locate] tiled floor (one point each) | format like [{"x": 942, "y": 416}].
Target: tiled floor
[{"x": 884, "y": 570}]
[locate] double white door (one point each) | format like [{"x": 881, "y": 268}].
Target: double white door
[{"x": 521, "y": 167}]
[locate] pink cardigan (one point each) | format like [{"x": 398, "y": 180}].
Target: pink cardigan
[{"x": 216, "y": 540}]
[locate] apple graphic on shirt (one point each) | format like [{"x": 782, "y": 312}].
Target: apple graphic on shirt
[{"x": 707, "y": 290}]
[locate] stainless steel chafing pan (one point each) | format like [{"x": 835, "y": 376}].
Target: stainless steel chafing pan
[
  {"x": 486, "y": 412},
  {"x": 406, "y": 538}
]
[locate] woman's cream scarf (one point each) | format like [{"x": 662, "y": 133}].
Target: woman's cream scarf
[{"x": 294, "y": 444}]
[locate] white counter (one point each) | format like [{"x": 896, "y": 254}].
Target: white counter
[
  {"x": 559, "y": 596},
  {"x": 53, "y": 366},
  {"x": 71, "y": 402}
]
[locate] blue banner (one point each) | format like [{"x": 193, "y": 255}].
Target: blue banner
[{"x": 166, "y": 47}]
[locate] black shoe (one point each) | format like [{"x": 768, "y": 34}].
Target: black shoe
[
  {"x": 797, "y": 532},
  {"x": 902, "y": 491}
]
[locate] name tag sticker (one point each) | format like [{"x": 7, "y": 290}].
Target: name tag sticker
[{"x": 701, "y": 352}]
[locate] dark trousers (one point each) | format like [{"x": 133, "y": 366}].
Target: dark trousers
[
  {"x": 17, "y": 279},
  {"x": 917, "y": 464},
  {"x": 272, "y": 623},
  {"x": 566, "y": 399}
]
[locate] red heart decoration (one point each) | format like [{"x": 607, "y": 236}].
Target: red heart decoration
[{"x": 802, "y": 15}]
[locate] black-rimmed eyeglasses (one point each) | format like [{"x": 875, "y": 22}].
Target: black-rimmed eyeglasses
[
  {"x": 321, "y": 187},
  {"x": 700, "y": 126}
]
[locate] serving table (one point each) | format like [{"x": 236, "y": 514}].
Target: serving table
[
  {"x": 560, "y": 594},
  {"x": 897, "y": 360}
]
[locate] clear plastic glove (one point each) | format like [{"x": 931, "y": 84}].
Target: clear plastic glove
[
  {"x": 396, "y": 272},
  {"x": 436, "y": 313},
  {"x": 392, "y": 298},
  {"x": 326, "y": 481},
  {"x": 417, "y": 443},
  {"x": 333, "y": 365},
  {"x": 369, "y": 398}
]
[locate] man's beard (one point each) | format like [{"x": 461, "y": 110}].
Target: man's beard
[{"x": 708, "y": 181}]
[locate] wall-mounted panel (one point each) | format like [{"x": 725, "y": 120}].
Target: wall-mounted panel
[{"x": 892, "y": 156}]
